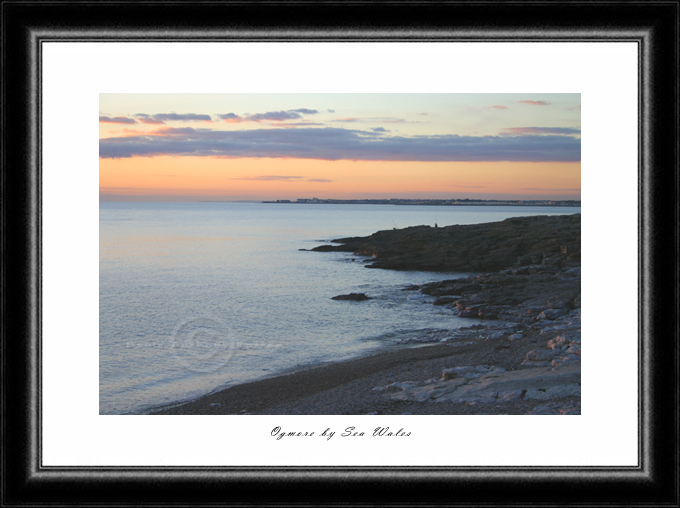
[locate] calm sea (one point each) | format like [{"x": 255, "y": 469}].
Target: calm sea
[{"x": 194, "y": 297}]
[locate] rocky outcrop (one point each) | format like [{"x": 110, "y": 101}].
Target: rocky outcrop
[
  {"x": 530, "y": 294},
  {"x": 553, "y": 241},
  {"x": 354, "y": 297},
  {"x": 522, "y": 295}
]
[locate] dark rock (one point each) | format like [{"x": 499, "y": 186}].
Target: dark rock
[
  {"x": 469, "y": 313},
  {"x": 474, "y": 327},
  {"x": 550, "y": 314},
  {"x": 411, "y": 287},
  {"x": 328, "y": 248},
  {"x": 561, "y": 302},
  {"x": 541, "y": 355},
  {"x": 488, "y": 313},
  {"x": 355, "y": 297},
  {"x": 445, "y": 300}
]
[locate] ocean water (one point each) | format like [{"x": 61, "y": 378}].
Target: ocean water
[{"x": 194, "y": 297}]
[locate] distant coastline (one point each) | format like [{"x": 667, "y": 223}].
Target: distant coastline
[{"x": 432, "y": 202}]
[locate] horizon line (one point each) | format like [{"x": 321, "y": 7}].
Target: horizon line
[{"x": 185, "y": 199}]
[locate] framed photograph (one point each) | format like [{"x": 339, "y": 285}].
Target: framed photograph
[{"x": 187, "y": 313}]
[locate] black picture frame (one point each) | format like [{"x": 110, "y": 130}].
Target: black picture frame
[{"x": 653, "y": 25}]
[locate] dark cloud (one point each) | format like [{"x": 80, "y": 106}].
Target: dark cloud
[
  {"x": 277, "y": 116},
  {"x": 331, "y": 111},
  {"x": 152, "y": 121},
  {"x": 161, "y": 118},
  {"x": 535, "y": 103},
  {"x": 273, "y": 116},
  {"x": 540, "y": 130},
  {"x": 188, "y": 117},
  {"x": 341, "y": 144},
  {"x": 282, "y": 178},
  {"x": 148, "y": 119},
  {"x": 305, "y": 111},
  {"x": 379, "y": 129},
  {"x": 231, "y": 118},
  {"x": 270, "y": 178},
  {"x": 116, "y": 119}
]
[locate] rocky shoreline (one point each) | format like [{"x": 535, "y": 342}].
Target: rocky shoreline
[
  {"x": 535, "y": 292},
  {"x": 535, "y": 309},
  {"x": 522, "y": 355}
]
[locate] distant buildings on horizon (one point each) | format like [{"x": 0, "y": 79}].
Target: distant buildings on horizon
[{"x": 434, "y": 202}]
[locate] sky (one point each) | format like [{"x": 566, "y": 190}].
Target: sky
[{"x": 234, "y": 147}]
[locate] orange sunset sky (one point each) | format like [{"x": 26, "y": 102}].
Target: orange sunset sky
[{"x": 194, "y": 147}]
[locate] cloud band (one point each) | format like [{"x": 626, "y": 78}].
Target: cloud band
[{"x": 342, "y": 144}]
